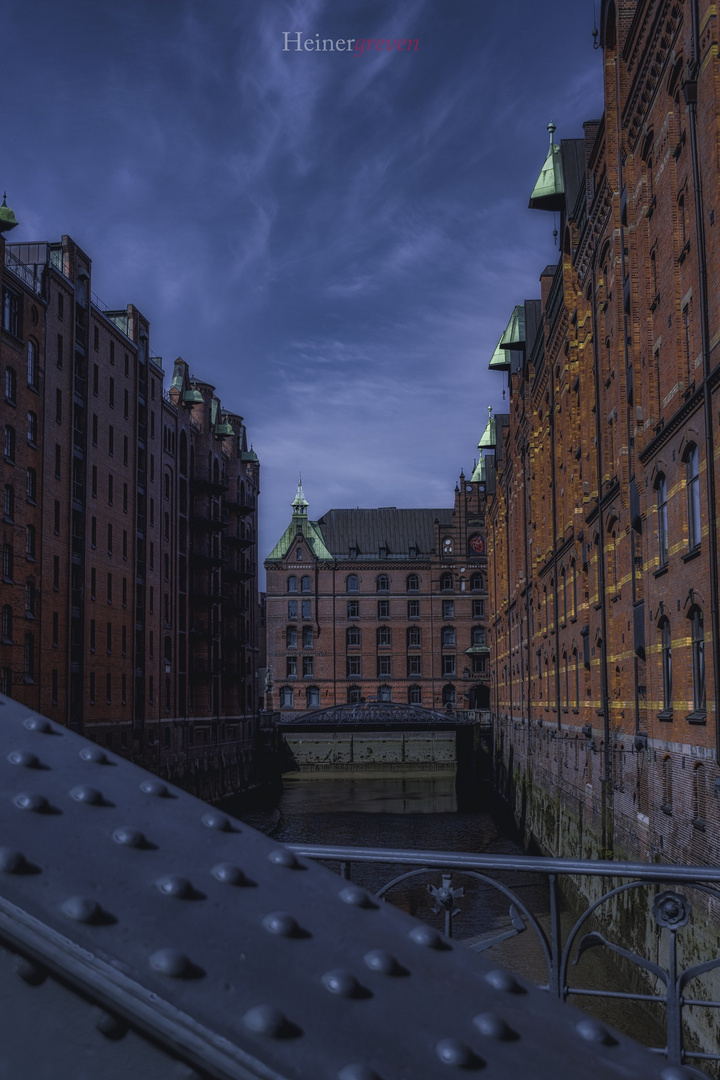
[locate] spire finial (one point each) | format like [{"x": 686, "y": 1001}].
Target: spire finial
[{"x": 552, "y": 129}]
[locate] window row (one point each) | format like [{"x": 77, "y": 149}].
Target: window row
[
  {"x": 692, "y": 499},
  {"x": 357, "y": 695},
  {"x": 413, "y": 609},
  {"x": 697, "y": 665},
  {"x": 383, "y": 637},
  {"x": 384, "y": 664}
]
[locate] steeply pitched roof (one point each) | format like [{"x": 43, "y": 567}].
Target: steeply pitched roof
[
  {"x": 387, "y": 527},
  {"x": 312, "y": 535}
]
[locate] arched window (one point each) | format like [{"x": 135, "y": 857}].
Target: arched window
[
  {"x": 351, "y": 583},
  {"x": 384, "y": 693},
  {"x": 662, "y": 519},
  {"x": 292, "y": 584},
  {"x": 286, "y": 697},
  {"x": 448, "y": 694},
  {"x": 667, "y": 785},
  {"x": 698, "y": 795},
  {"x": 382, "y": 583},
  {"x": 573, "y": 593},
  {"x": 312, "y": 696},
  {"x": 697, "y": 645},
  {"x": 446, "y": 582},
  {"x": 666, "y": 663},
  {"x": 10, "y": 385},
  {"x": 692, "y": 482},
  {"x": 412, "y": 583},
  {"x": 576, "y": 665},
  {"x": 476, "y": 583},
  {"x": 383, "y": 635},
  {"x": 563, "y": 590},
  {"x": 413, "y": 637},
  {"x": 305, "y": 584},
  {"x": 7, "y": 623},
  {"x": 448, "y": 637},
  {"x": 32, "y": 367},
  {"x": 566, "y": 666}
]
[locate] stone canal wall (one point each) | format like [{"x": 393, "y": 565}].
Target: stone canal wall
[
  {"x": 552, "y": 783},
  {"x": 342, "y": 751}
]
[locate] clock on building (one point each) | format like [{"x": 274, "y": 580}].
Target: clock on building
[{"x": 477, "y": 545}]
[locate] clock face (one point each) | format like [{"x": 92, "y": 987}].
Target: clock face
[{"x": 477, "y": 545}]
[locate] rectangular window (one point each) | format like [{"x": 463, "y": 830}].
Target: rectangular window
[
  {"x": 307, "y": 666},
  {"x": 413, "y": 609},
  {"x": 125, "y": 549},
  {"x": 96, "y": 338},
  {"x": 93, "y": 532},
  {"x": 92, "y": 583},
  {"x": 58, "y": 406},
  {"x": 109, "y": 539},
  {"x": 108, "y": 637},
  {"x": 124, "y": 689},
  {"x": 108, "y": 688},
  {"x": 353, "y": 609},
  {"x": 92, "y": 635},
  {"x": 56, "y": 629},
  {"x": 307, "y": 609},
  {"x": 110, "y": 489},
  {"x": 448, "y": 665},
  {"x": 96, "y": 379},
  {"x": 125, "y": 498},
  {"x": 58, "y": 459},
  {"x": 383, "y": 609},
  {"x": 56, "y": 523},
  {"x": 384, "y": 665},
  {"x": 478, "y": 609},
  {"x": 60, "y": 350},
  {"x": 112, "y": 352},
  {"x": 291, "y": 667},
  {"x": 111, "y": 440},
  {"x": 94, "y": 429},
  {"x": 413, "y": 665},
  {"x": 126, "y": 450},
  {"x": 124, "y": 592},
  {"x": 109, "y": 588},
  {"x": 307, "y": 637},
  {"x": 124, "y": 641},
  {"x": 93, "y": 487},
  {"x": 353, "y": 666},
  {"x": 92, "y": 687},
  {"x": 448, "y": 609},
  {"x": 111, "y": 394},
  {"x": 292, "y": 609},
  {"x": 126, "y": 409},
  {"x": 54, "y": 686},
  {"x": 56, "y": 573}
]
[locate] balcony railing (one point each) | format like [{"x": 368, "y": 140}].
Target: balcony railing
[
  {"x": 516, "y": 894},
  {"x": 203, "y": 478}
]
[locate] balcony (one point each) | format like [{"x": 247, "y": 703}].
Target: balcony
[
  {"x": 206, "y": 523},
  {"x": 240, "y": 543},
  {"x": 203, "y": 479}
]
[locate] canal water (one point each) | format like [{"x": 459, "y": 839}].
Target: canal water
[{"x": 422, "y": 814}]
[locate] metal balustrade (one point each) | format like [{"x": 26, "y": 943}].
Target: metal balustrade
[
  {"x": 144, "y": 933},
  {"x": 670, "y": 912}
]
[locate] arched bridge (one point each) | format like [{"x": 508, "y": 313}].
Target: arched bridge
[{"x": 143, "y": 933}]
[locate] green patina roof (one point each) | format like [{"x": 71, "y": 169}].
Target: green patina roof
[
  {"x": 499, "y": 361},
  {"x": 311, "y": 533},
  {"x": 549, "y": 191},
  {"x": 7, "y": 217},
  {"x": 249, "y": 455},
  {"x": 479, "y": 473},
  {"x": 488, "y": 440},
  {"x": 514, "y": 336}
]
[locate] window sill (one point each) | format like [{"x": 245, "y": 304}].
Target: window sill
[
  {"x": 665, "y": 714},
  {"x": 661, "y": 570},
  {"x": 692, "y": 554},
  {"x": 697, "y": 716},
  {"x": 667, "y": 809},
  {"x": 699, "y": 824}
]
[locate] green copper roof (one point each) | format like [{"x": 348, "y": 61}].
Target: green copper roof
[
  {"x": 514, "y": 336},
  {"x": 224, "y": 430},
  {"x": 192, "y": 397},
  {"x": 477, "y": 650},
  {"x": 499, "y": 361},
  {"x": 312, "y": 535},
  {"x": 549, "y": 191},
  {"x": 479, "y": 473},
  {"x": 488, "y": 439},
  {"x": 300, "y": 503},
  {"x": 8, "y": 220},
  {"x": 249, "y": 455}
]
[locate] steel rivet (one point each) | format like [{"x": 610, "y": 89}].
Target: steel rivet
[
  {"x": 38, "y": 803},
  {"x": 171, "y": 962},
  {"x": 594, "y": 1031},
  {"x": 30, "y": 972},
  {"x": 426, "y": 936},
  {"x": 228, "y": 873},
  {"x": 112, "y": 1027},
  {"x": 384, "y": 962},
  {"x": 454, "y": 1052},
  {"x": 154, "y": 787},
  {"x": 265, "y": 1020},
  {"x": 282, "y": 924},
  {"x": 358, "y": 1072},
  {"x": 213, "y": 820},
  {"x": 38, "y": 725},
  {"x": 23, "y": 757},
  {"x": 94, "y": 754},
  {"x": 493, "y": 1026},
  {"x": 342, "y": 983},
  {"x": 12, "y": 862},
  {"x": 503, "y": 980},
  {"x": 82, "y": 909},
  {"x": 352, "y": 894},
  {"x": 84, "y": 794},
  {"x": 129, "y": 837},
  {"x": 283, "y": 857},
  {"x": 174, "y": 885}
]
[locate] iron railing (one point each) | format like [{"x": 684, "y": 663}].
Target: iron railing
[{"x": 563, "y": 941}]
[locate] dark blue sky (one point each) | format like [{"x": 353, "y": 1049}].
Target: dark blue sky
[{"x": 335, "y": 241}]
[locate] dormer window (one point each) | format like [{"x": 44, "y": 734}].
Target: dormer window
[{"x": 299, "y": 555}]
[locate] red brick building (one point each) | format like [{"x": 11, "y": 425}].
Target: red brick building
[
  {"x": 603, "y": 531},
  {"x": 130, "y": 520},
  {"x": 383, "y": 604}
]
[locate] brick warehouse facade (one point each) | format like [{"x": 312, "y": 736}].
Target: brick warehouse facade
[
  {"x": 385, "y": 604},
  {"x": 129, "y": 529},
  {"x": 603, "y": 533}
]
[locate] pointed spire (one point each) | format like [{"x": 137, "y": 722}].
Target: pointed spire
[
  {"x": 8, "y": 220},
  {"x": 549, "y": 191},
  {"x": 300, "y": 503},
  {"x": 488, "y": 439}
]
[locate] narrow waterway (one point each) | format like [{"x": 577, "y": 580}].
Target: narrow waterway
[{"x": 393, "y": 812}]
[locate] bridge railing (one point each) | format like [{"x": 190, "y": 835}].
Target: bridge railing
[
  {"x": 143, "y": 933},
  {"x": 570, "y": 909}
]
